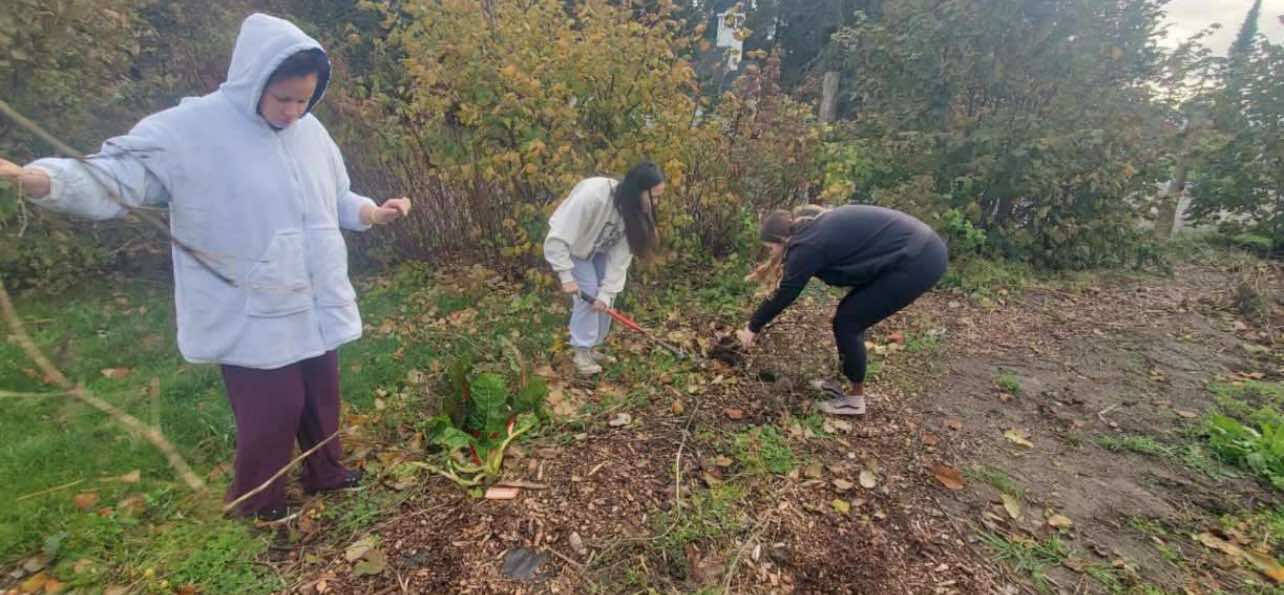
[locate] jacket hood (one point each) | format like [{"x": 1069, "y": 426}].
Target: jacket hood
[{"x": 262, "y": 45}]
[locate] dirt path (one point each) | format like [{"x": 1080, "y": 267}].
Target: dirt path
[{"x": 726, "y": 479}]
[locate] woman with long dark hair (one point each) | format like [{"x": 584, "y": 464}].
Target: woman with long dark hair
[
  {"x": 592, "y": 239},
  {"x": 886, "y": 257}
]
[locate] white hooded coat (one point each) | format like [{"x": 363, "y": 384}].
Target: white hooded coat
[{"x": 261, "y": 206}]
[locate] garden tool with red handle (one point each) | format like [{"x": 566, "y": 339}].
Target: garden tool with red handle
[{"x": 633, "y": 326}]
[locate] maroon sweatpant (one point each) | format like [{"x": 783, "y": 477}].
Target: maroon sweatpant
[{"x": 272, "y": 409}]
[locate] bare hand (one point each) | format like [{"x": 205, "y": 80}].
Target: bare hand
[
  {"x": 34, "y": 183},
  {"x": 391, "y": 210},
  {"x": 746, "y": 337},
  {"x": 600, "y": 306},
  {"x": 571, "y": 287},
  {"x": 9, "y": 171}
]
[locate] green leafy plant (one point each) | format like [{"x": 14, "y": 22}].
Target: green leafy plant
[
  {"x": 479, "y": 418},
  {"x": 1259, "y": 449}
]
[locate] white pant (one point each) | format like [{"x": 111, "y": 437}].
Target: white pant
[{"x": 588, "y": 328}]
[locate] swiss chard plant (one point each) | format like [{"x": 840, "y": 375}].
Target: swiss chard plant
[{"x": 480, "y": 416}]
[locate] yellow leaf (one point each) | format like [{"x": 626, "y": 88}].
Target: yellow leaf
[
  {"x": 1019, "y": 437},
  {"x": 1012, "y": 505},
  {"x": 1060, "y": 521}
]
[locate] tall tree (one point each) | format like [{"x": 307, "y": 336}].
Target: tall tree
[{"x": 1034, "y": 118}]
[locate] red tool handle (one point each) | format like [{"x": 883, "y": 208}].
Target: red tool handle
[{"x": 615, "y": 314}]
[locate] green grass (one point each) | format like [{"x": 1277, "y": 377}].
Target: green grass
[
  {"x": 922, "y": 342},
  {"x": 1139, "y": 444},
  {"x": 764, "y": 450},
  {"x": 996, "y": 478},
  {"x": 52, "y": 441},
  {"x": 987, "y": 278},
  {"x": 176, "y": 539},
  {"x": 705, "y": 516},
  {"x": 1008, "y": 382},
  {"x": 1191, "y": 454},
  {"x": 1028, "y": 556}
]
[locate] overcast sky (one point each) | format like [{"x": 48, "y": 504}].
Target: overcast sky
[{"x": 1186, "y": 17}]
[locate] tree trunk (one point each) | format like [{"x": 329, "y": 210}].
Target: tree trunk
[
  {"x": 1166, "y": 220},
  {"x": 829, "y": 96},
  {"x": 1168, "y": 203}
]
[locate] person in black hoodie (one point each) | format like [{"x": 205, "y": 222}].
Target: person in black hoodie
[{"x": 886, "y": 257}]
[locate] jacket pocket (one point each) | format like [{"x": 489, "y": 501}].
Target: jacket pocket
[
  {"x": 328, "y": 267},
  {"x": 278, "y": 283}
]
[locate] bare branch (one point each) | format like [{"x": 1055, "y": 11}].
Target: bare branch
[
  {"x": 263, "y": 486},
  {"x": 130, "y": 423}
]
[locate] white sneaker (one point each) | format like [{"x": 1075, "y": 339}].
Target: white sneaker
[
  {"x": 584, "y": 364},
  {"x": 600, "y": 357}
]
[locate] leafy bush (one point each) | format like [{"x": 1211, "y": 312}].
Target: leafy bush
[
  {"x": 1040, "y": 127},
  {"x": 506, "y": 108}
]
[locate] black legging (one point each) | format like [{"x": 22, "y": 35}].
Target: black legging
[{"x": 887, "y": 294}]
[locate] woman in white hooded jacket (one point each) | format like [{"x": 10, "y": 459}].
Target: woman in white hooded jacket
[
  {"x": 592, "y": 238},
  {"x": 257, "y": 192}
]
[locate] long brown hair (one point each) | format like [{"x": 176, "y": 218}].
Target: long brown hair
[
  {"x": 639, "y": 224},
  {"x": 777, "y": 228}
]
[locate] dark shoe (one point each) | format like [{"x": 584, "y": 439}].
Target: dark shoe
[
  {"x": 275, "y": 515},
  {"x": 351, "y": 482},
  {"x": 828, "y": 388}
]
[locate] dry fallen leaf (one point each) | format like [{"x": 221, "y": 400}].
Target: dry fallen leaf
[
  {"x": 86, "y": 500},
  {"x": 577, "y": 544},
  {"x": 501, "y": 493},
  {"x": 1186, "y": 413},
  {"x": 948, "y": 476},
  {"x": 930, "y": 439},
  {"x": 1012, "y": 505},
  {"x": 374, "y": 564},
  {"x": 734, "y": 414},
  {"x": 867, "y": 479},
  {"x": 1060, "y": 521},
  {"x": 678, "y": 407},
  {"x": 723, "y": 461},
  {"x": 115, "y": 373},
  {"x": 842, "y": 506},
  {"x": 359, "y": 548},
  {"x": 1265, "y": 564},
  {"x": 843, "y": 485},
  {"x": 954, "y": 424},
  {"x": 620, "y": 419},
  {"x": 1018, "y": 437},
  {"x": 813, "y": 471},
  {"x": 33, "y": 584},
  {"x": 133, "y": 505}
]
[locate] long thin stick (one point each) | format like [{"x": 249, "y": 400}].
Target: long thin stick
[
  {"x": 263, "y": 486},
  {"x": 7, "y": 394},
  {"x": 49, "y": 491},
  {"x": 148, "y": 218},
  {"x": 130, "y": 422}
]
